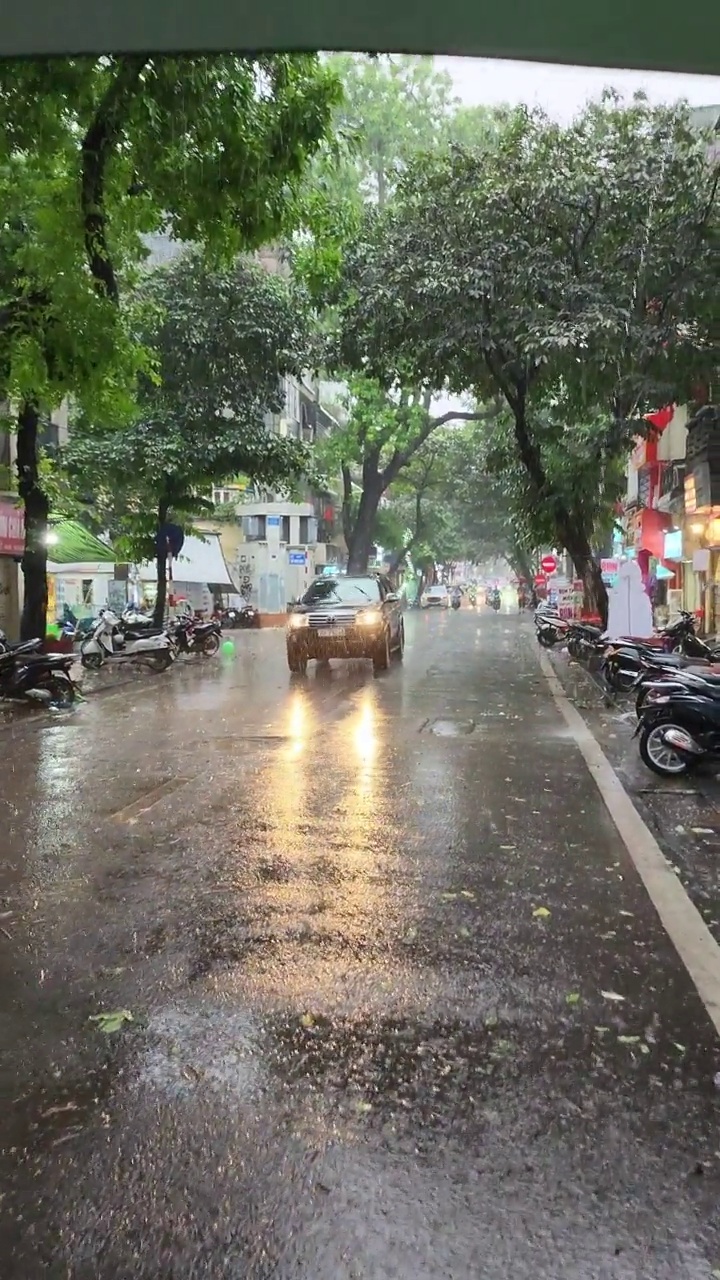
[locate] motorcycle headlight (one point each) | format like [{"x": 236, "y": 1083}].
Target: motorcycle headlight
[
  {"x": 297, "y": 620},
  {"x": 371, "y": 618}
]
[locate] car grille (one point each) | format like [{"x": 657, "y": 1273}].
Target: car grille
[{"x": 331, "y": 620}]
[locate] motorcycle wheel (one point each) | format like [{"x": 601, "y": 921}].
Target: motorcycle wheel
[
  {"x": 61, "y": 690},
  {"x": 657, "y": 755},
  {"x": 210, "y": 646},
  {"x": 548, "y": 639},
  {"x": 91, "y": 661},
  {"x": 616, "y": 681},
  {"x": 159, "y": 661}
]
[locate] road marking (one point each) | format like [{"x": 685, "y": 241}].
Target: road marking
[
  {"x": 682, "y": 921},
  {"x": 148, "y": 801}
]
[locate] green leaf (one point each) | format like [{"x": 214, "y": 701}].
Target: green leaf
[
  {"x": 573, "y": 997},
  {"x": 541, "y": 913},
  {"x": 111, "y": 1022}
]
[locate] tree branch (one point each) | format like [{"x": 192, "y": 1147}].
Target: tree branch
[
  {"x": 96, "y": 150},
  {"x": 401, "y": 457}
]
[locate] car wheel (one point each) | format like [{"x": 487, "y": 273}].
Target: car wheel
[
  {"x": 381, "y": 657},
  {"x": 296, "y": 662},
  {"x": 401, "y": 642}
]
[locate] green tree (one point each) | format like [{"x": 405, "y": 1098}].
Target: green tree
[
  {"x": 221, "y": 339},
  {"x": 94, "y": 152},
  {"x": 382, "y": 433},
  {"x": 574, "y": 271}
]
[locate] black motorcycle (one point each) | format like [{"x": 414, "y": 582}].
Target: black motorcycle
[
  {"x": 192, "y": 636},
  {"x": 680, "y": 637},
  {"x": 27, "y": 676},
  {"x": 247, "y": 616},
  {"x": 681, "y": 729}
]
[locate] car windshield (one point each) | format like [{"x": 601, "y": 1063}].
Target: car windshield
[
  {"x": 437, "y": 591},
  {"x": 342, "y": 591}
]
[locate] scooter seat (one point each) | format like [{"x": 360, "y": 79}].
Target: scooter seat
[{"x": 143, "y": 633}]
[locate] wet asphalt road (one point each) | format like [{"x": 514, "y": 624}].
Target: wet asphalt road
[{"x": 357, "y": 1050}]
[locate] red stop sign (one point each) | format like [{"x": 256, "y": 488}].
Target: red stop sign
[{"x": 549, "y": 564}]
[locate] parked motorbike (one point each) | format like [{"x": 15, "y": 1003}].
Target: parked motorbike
[
  {"x": 679, "y": 730},
  {"x": 549, "y": 626},
  {"x": 247, "y": 616},
  {"x": 28, "y": 676},
  {"x": 109, "y": 642},
  {"x": 25, "y": 646},
  {"x": 495, "y": 601},
  {"x": 659, "y": 679},
  {"x": 192, "y": 636}
]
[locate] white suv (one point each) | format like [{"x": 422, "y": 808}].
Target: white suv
[{"x": 437, "y": 597}]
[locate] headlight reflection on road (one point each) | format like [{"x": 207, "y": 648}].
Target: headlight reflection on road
[
  {"x": 298, "y": 724},
  {"x": 365, "y": 741}
]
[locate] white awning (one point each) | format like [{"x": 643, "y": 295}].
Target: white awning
[{"x": 201, "y": 561}]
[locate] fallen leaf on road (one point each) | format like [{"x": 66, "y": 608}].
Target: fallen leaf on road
[
  {"x": 645, "y": 1048},
  {"x": 704, "y": 831},
  {"x": 572, "y": 997},
  {"x": 307, "y": 1020},
  {"x": 628, "y": 1039},
  {"x": 601, "y": 1030},
  {"x": 680, "y": 1047},
  {"x": 508, "y": 848},
  {"x": 612, "y": 995},
  {"x": 363, "y": 1107},
  {"x": 465, "y": 893},
  {"x": 541, "y": 913},
  {"x": 464, "y": 932},
  {"x": 109, "y": 1023},
  {"x": 630, "y": 914},
  {"x": 449, "y": 897},
  {"x": 607, "y": 936}
]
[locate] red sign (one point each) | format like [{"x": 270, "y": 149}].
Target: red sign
[
  {"x": 539, "y": 579},
  {"x": 549, "y": 564},
  {"x": 12, "y": 529}
]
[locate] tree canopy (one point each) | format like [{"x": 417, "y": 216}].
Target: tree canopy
[
  {"x": 221, "y": 339},
  {"x": 571, "y": 270},
  {"x": 95, "y": 153}
]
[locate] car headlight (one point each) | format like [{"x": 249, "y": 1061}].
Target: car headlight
[
  {"x": 370, "y": 618},
  {"x": 297, "y": 620}
]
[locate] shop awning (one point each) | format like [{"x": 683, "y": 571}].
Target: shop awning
[
  {"x": 70, "y": 544},
  {"x": 201, "y": 562},
  {"x": 615, "y": 34}
]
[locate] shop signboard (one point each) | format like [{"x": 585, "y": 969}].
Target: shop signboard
[
  {"x": 296, "y": 557},
  {"x": 12, "y": 530},
  {"x": 609, "y": 569},
  {"x": 673, "y": 545}
]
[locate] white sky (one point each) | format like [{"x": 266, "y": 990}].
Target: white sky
[{"x": 563, "y": 91}]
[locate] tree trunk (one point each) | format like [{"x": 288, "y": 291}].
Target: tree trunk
[
  {"x": 586, "y": 566},
  {"x": 362, "y": 534},
  {"x": 34, "y": 562},
  {"x": 161, "y": 560}
]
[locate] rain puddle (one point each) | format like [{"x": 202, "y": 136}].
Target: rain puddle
[
  {"x": 211, "y": 1046},
  {"x": 451, "y": 728}
]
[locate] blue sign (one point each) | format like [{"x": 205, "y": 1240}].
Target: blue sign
[
  {"x": 273, "y": 522},
  {"x": 296, "y": 557}
]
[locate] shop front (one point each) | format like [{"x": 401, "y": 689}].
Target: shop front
[
  {"x": 12, "y": 543},
  {"x": 646, "y": 532}
]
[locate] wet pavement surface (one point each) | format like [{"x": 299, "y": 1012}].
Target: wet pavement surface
[
  {"x": 683, "y": 813},
  {"x": 400, "y": 1005}
]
